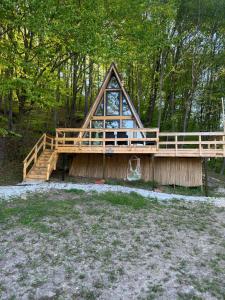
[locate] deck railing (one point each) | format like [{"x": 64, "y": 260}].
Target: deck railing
[
  {"x": 184, "y": 143},
  {"x": 45, "y": 142},
  {"x": 196, "y": 144},
  {"x": 90, "y": 137}
]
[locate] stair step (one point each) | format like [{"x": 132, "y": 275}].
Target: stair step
[
  {"x": 36, "y": 177},
  {"x": 43, "y": 158},
  {"x": 37, "y": 172},
  {"x": 41, "y": 165}
]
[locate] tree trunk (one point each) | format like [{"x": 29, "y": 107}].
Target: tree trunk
[
  {"x": 57, "y": 96},
  {"x": 139, "y": 91},
  {"x": 160, "y": 90},
  {"x": 88, "y": 87},
  {"x": 10, "y": 115},
  {"x": 153, "y": 91},
  {"x": 74, "y": 88}
]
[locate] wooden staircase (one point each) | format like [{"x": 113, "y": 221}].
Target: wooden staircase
[{"x": 41, "y": 161}]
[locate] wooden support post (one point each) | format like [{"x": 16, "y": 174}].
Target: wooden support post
[
  {"x": 103, "y": 166},
  {"x": 175, "y": 145},
  {"x": 63, "y": 166},
  {"x": 24, "y": 170},
  {"x": 153, "y": 171},
  {"x": 35, "y": 154},
  {"x": 103, "y": 141},
  {"x": 44, "y": 143},
  {"x": 205, "y": 165},
  {"x": 56, "y": 142},
  {"x": 200, "y": 145}
]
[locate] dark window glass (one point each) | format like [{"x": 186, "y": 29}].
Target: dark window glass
[
  {"x": 126, "y": 108},
  {"x": 113, "y": 83},
  {"x": 113, "y": 103},
  {"x": 97, "y": 124},
  {"x": 100, "y": 109},
  {"x": 112, "y": 124}
]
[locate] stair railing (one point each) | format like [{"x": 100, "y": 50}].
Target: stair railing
[
  {"x": 43, "y": 143},
  {"x": 51, "y": 164}
]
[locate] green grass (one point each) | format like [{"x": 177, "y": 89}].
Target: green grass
[
  {"x": 148, "y": 185},
  {"x": 76, "y": 191},
  {"x": 132, "y": 200},
  {"x": 189, "y": 191},
  {"x": 38, "y": 206},
  {"x": 32, "y": 211}
]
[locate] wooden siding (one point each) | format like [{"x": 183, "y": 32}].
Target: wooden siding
[{"x": 167, "y": 171}]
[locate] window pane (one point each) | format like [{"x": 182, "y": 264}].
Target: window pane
[
  {"x": 126, "y": 108},
  {"x": 100, "y": 109},
  {"x": 113, "y": 83},
  {"x": 97, "y": 124},
  {"x": 113, "y": 103},
  {"x": 137, "y": 134},
  {"x": 112, "y": 124},
  {"x": 128, "y": 124}
]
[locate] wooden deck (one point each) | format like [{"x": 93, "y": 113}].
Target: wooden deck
[
  {"x": 42, "y": 159},
  {"x": 144, "y": 140}
]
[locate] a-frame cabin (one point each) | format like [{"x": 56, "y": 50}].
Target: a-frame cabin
[{"x": 112, "y": 143}]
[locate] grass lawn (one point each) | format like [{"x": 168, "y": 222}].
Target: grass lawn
[{"x": 77, "y": 245}]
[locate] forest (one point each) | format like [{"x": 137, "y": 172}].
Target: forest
[{"x": 54, "y": 55}]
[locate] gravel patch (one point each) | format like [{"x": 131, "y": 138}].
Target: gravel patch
[
  {"x": 72, "y": 245},
  {"x": 7, "y": 192}
]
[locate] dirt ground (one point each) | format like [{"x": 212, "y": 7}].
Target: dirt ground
[{"x": 77, "y": 245}]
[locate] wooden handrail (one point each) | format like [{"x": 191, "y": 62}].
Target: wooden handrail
[
  {"x": 215, "y": 139},
  {"x": 33, "y": 154},
  {"x": 60, "y": 130},
  {"x": 106, "y": 139},
  {"x": 177, "y": 142},
  {"x": 51, "y": 165},
  {"x": 216, "y": 133},
  {"x": 43, "y": 135}
]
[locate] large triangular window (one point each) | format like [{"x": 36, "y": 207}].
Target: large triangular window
[{"x": 114, "y": 109}]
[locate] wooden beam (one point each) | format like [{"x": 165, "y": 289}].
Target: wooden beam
[
  {"x": 216, "y": 133},
  {"x": 150, "y": 130},
  {"x": 205, "y": 166},
  {"x": 112, "y": 118}
]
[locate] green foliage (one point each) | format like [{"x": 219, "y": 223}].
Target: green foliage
[{"x": 171, "y": 54}]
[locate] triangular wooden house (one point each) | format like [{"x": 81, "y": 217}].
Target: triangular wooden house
[
  {"x": 112, "y": 107},
  {"x": 112, "y": 143}
]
